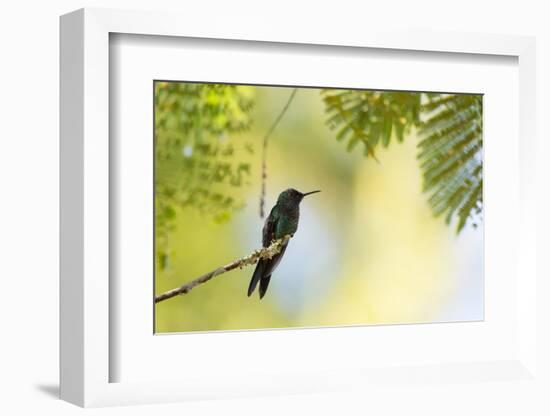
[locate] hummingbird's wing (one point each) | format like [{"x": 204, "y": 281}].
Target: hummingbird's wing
[
  {"x": 270, "y": 233},
  {"x": 265, "y": 266},
  {"x": 269, "y": 265},
  {"x": 270, "y": 225}
]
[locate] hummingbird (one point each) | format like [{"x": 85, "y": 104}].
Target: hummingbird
[{"x": 282, "y": 220}]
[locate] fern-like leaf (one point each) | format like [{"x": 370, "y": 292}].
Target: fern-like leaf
[
  {"x": 450, "y": 150},
  {"x": 370, "y": 117},
  {"x": 451, "y": 156}
]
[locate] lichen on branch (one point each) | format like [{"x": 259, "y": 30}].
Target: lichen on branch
[{"x": 263, "y": 253}]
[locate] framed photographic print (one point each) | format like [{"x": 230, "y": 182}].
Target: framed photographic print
[
  {"x": 301, "y": 202},
  {"x": 395, "y": 236}
]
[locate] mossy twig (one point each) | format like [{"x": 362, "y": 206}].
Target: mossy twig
[{"x": 263, "y": 253}]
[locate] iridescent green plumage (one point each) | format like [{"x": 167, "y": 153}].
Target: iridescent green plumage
[{"x": 282, "y": 220}]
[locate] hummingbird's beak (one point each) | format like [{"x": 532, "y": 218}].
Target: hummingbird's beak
[{"x": 309, "y": 193}]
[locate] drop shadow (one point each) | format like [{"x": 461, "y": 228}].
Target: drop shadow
[{"x": 51, "y": 390}]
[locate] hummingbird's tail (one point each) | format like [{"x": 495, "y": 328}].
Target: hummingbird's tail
[
  {"x": 264, "y": 283},
  {"x": 258, "y": 272},
  {"x": 263, "y": 271}
]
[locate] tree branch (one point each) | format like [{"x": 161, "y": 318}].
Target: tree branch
[
  {"x": 263, "y": 253},
  {"x": 264, "y": 150}
]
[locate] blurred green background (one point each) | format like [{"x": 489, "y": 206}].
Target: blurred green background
[{"x": 372, "y": 248}]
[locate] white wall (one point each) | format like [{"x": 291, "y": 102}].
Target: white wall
[{"x": 29, "y": 185}]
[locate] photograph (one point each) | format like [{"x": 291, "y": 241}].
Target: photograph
[{"x": 280, "y": 207}]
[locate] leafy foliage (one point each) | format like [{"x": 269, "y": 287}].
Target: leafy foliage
[
  {"x": 450, "y": 150},
  {"x": 450, "y": 155},
  {"x": 196, "y": 126},
  {"x": 370, "y": 117}
]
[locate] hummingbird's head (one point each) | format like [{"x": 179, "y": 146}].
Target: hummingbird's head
[{"x": 292, "y": 196}]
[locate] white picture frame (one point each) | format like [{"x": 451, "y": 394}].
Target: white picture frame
[{"x": 86, "y": 356}]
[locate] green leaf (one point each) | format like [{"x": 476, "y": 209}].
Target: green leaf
[
  {"x": 370, "y": 116},
  {"x": 450, "y": 156},
  {"x": 374, "y": 134},
  {"x": 386, "y": 136},
  {"x": 352, "y": 144},
  {"x": 400, "y": 131}
]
